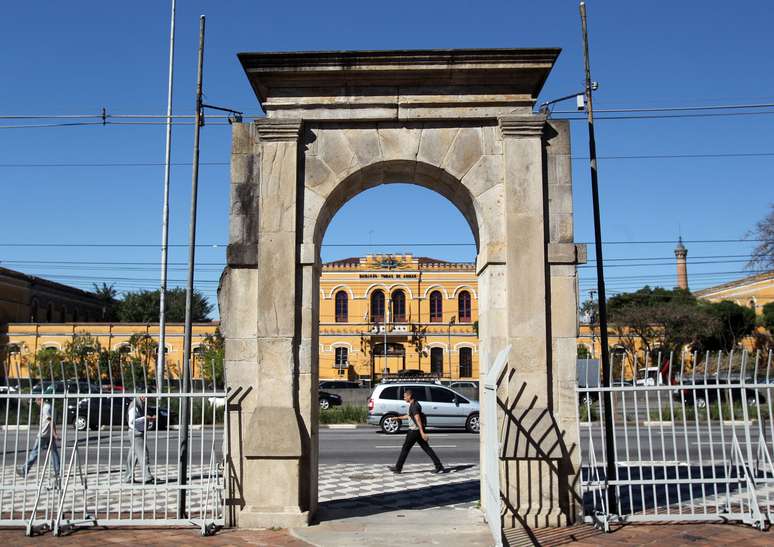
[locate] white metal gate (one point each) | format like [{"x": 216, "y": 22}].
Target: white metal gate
[
  {"x": 89, "y": 470},
  {"x": 692, "y": 438},
  {"x": 490, "y": 464}
]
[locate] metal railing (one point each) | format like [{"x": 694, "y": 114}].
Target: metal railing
[
  {"x": 108, "y": 446},
  {"x": 490, "y": 468},
  {"x": 693, "y": 439}
]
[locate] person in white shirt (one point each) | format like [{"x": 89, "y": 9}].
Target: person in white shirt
[
  {"x": 47, "y": 436},
  {"x": 138, "y": 449}
]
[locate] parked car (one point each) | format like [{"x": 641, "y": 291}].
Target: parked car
[
  {"x": 328, "y": 400},
  {"x": 94, "y": 412},
  {"x": 444, "y": 407},
  {"x": 650, "y": 376},
  {"x": 69, "y": 386},
  {"x": 700, "y": 392},
  {"x": 338, "y": 384}
]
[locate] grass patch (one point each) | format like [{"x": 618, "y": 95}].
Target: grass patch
[
  {"x": 588, "y": 412},
  {"x": 347, "y": 414},
  {"x": 716, "y": 411}
]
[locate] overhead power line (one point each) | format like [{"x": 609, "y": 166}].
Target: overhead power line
[
  {"x": 375, "y": 245},
  {"x": 225, "y": 163}
]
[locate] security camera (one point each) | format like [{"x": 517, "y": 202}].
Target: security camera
[{"x": 580, "y": 102}]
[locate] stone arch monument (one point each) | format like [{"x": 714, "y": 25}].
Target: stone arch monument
[{"x": 459, "y": 122}]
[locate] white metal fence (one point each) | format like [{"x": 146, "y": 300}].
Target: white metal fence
[
  {"x": 89, "y": 468},
  {"x": 490, "y": 465},
  {"x": 692, "y": 437}
]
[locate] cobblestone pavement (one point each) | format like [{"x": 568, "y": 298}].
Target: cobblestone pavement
[
  {"x": 103, "y": 493},
  {"x": 346, "y": 485}
]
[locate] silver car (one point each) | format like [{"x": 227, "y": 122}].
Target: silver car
[{"x": 444, "y": 407}]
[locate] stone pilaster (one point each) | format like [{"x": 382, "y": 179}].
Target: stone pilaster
[
  {"x": 534, "y": 473},
  {"x": 275, "y": 436}
]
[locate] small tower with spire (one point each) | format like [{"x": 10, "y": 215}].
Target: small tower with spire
[{"x": 681, "y": 253}]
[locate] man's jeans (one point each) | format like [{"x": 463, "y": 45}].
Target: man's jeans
[
  {"x": 138, "y": 454},
  {"x": 412, "y": 437},
  {"x": 33, "y": 456}
]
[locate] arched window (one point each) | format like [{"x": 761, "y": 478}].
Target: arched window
[
  {"x": 464, "y": 307},
  {"x": 436, "y": 361},
  {"x": 436, "y": 307},
  {"x": 377, "y": 307},
  {"x": 399, "y": 306},
  {"x": 342, "y": 307},
  {"x": 64, "y": 314},
  {"x": 50, "y": 313},
  {"x": 466, "y": 362},
  {"x": 75, "y": 315}
]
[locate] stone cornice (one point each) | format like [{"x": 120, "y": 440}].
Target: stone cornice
[
  {"x": 521, "y": 127},
  {"x": 273, "y": 130}
]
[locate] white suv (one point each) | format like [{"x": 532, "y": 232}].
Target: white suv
[{"x": 444, "y": 408}]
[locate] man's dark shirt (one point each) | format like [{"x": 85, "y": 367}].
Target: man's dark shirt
[{"x": 414, "y": 409}]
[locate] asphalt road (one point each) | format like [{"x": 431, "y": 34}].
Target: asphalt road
[
  {"x": 362, "y": 445},
  {"x": 369, "y": 445}
]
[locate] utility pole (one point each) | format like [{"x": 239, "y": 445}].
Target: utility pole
[
  {"x": 162, "y": 356},
  {"x": 592, "y": 320},
  {"x": 611, "y": 470},
  {"x": 182, "y": 467}
]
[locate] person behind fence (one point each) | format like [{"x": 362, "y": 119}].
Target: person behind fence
[
  {"x": 138, "y": 448},
  {"x": 47, "y": 437},
  {"x": 416, "y": 434}
]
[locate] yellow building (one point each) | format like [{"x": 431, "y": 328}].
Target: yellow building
[
  {"x": 23, "y": 341},
  {"x": 754, "y": 291},
  {"x": 389, "y": 313}
]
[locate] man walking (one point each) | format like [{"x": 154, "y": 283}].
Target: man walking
[
  {"x": 47, "y": 437},
  {"x": 416, "y": 434},
  {"x": 138, "y": 449}
]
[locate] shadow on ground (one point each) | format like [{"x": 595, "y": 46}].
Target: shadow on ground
[{"x": 457, "y": 493}]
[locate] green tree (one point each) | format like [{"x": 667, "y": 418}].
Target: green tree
[
  {"x": 212, "y": 357},
  {"x": 767, "y": 318},
  {"x": 583, "y": 352},
  {"x": 143, "y": 306},
  {"x": 107, "y": 296},
  {"x": 657, "y": 319},
  {"x": 732, "y": 322}
]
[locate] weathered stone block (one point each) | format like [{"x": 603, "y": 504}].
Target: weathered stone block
[
  {"x": 399, "y": 143},
  {"x": 465, "y": 152},
  {"x": 435, "y": 143},
  {"x": 365, "y": 144}
]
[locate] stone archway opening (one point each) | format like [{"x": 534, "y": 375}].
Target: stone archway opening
[
  {"x": 459, "y": 122},
  {"x": 392, "y": 340}
]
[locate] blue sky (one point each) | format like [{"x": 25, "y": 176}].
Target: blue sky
[{"x": 77, "y": 57}]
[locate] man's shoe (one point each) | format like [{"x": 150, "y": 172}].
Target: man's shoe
[
  {"x": 439, "y": 470},
  {"x": 151, "y": 480},
  {"x": 395, "y": 470}
]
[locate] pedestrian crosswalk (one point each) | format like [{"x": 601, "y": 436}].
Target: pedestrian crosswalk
[{"x": 369, "y": 487}]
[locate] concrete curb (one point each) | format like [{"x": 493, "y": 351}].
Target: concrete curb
[{"x": 344, "y": 426}]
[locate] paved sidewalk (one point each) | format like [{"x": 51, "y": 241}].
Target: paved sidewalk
[
  {"x": 389, "y": 529},
  {"x": 161, "y": 537},
  {"x": 661, "y": 535}
]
